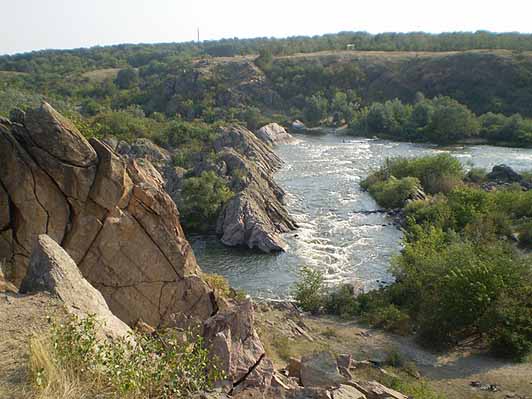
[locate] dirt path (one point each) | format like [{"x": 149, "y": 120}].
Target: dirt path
[{"x": 449, "y": 373}]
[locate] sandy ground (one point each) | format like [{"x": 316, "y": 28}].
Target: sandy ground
[{"x": 449, "y": 373}]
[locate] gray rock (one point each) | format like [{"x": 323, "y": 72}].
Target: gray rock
[
  {"x": 52, "y": 269},
  {"x": 273, "y": 134},
  {"x": 320, "y": 370},
  {"x": 298, "y": 126},
  {"x": 347, "y": 392},
  {"x": 256, "y": 216},
  {"x": 505, "y": 174}
]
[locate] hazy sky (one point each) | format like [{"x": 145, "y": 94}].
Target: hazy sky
[{"x": 36, "y": 24}]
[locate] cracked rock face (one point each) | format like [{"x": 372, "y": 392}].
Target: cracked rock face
[
  {"x": 113, "y": 219},
  {"x": 237, "y": 347}
]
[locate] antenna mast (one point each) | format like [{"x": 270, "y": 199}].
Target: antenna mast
[{"x": 198, "y": 36}]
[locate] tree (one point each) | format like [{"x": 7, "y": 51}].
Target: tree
[
  {"x": 202, "y": 199},
  {"x": 316, "y": 108},
  {"x": 451, "y": 121},
  {"x": 127, "y": 78}
]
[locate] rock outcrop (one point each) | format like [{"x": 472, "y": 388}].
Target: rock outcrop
[
  {"x": 112, "y": 217},
  {"x": 320, "y": 370},
  {"x": 273, "y": 134},
  {"x": 504, "y": 174},
  {"x": 237, "y": 347},
  {"x": 52, "y": 270},
  {"x": 255, "y": 217},
  {"x": 115, "y": 221}
]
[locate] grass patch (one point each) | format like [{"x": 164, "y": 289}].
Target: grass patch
[{"x": 71, "y": 362}]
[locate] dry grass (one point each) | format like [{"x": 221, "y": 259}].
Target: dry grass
[
  {"x": 99, "y": 75},
  {"x": 51, "y": 382}
]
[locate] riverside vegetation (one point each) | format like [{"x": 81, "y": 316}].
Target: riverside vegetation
[{"x": 461, "y": 272}]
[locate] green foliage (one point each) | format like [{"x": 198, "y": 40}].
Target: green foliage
[
  {"x": 525, "y": 234},
  {"x": 509, "y": 323},
  {"x": 202, "y": 199},
  {"x": 437, "y": 173},
  {"x": 127, "y": 78},
  {"x": 440, "y": 120},
  {"x": 393, "y": 192},
  {"x": 476, "y": 175},
  {"x": 309, "y": 291},
  {"x": 167, "y": 365},
  {"x": 458, "y": 273}
]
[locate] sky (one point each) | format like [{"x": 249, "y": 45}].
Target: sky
[{"x": 28, "y": 25}]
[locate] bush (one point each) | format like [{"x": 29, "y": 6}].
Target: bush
[
  {"x": 437, "y": 174},
  {"x": 202, "y": 199},
  {"x": 525, "y": 234},
  {"x": 393, "y": 192},
  {"x": 476, "y": 175},
  {"x": 309, "y": 291},
  {"x": 167, "y": 365},
  {"x": 508, "y": 324}
]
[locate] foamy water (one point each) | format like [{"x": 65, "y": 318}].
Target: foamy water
[{"x": 321, "y": 177}]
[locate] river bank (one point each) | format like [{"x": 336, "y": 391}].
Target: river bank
[
  {"x": 466, "y": 372},
  {"x": 342, "y": 231}
]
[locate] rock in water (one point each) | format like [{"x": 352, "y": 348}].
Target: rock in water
[
  {"x": 273, "y": 134},
  {"x": 255, "y": 217},
  {"x": 52, "y": 269},
  {"x": 504, "y": 174}
]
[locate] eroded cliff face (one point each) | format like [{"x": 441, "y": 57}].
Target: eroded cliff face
[{"x": 112, "y": 217}]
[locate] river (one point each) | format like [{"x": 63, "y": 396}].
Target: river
[{"x": 321, "y": 176}]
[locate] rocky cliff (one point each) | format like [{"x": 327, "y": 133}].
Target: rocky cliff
[
  {"x": 256, "y": 216},
  {"x": 118, "y": 225}
]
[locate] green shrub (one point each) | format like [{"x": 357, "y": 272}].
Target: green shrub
[
  {"x": 476, "y": 175},
  {"x": 202, "y": 199},
  {"x": 393, "y": 192},
  {"x": 525, "y": 234},
  {"x": 166, "y": 365},
  {"x": 389, "y": 318},
  {"x": 342, "y": 302},
  {"x": 309, "y": 291},
  {"x": 437, "y": 173},
  {"x": 508, "y": 324}
]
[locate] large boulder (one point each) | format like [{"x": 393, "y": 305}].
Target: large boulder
[
  {"x": 320, "y": 370},
  {"x": 504, "y": 174},
  {"x": 273, "y": 134},
  {"x": 375, "y": 390},
  {"x": 111, "y": 216},
  {"x": 237, "y": 347},
  {"x": 51, "y": 269}
]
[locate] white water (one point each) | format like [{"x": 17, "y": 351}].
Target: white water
[{"x": 321, "y": 176}]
